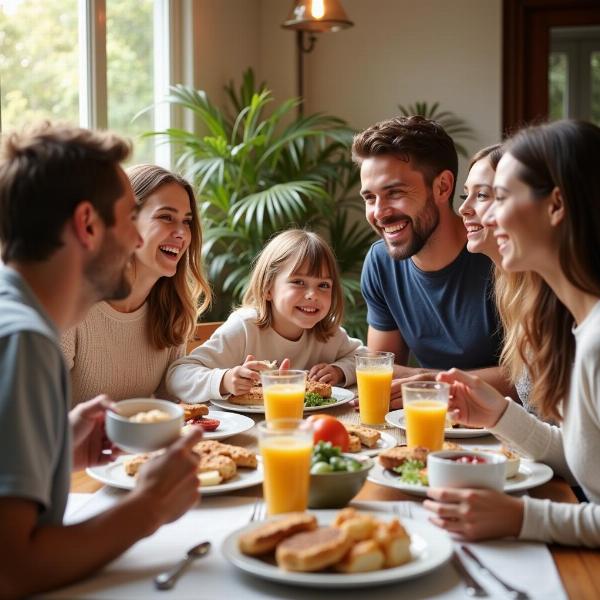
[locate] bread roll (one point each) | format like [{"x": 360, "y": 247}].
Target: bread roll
[
  {"x": 314, "y": 550},
  {"x": 265, "y": 538}
]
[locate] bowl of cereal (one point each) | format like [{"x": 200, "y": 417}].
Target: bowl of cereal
[{"x": 144, "y": 424}]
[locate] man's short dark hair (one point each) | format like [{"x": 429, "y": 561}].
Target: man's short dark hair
[
  {"x": 421, "y": 141},
  {"x": 45, "y": 172}
]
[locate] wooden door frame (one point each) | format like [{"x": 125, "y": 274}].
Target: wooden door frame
[{"x": 526, "y": 41}]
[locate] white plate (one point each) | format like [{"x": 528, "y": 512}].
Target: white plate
[
  {"x": 231, "y": 424},
  {"x": 387, "y": 440},
  {"x": 530, "y": 475},
  {"x": 114, "y": 475},
  {"x": 342, "y": 396},
  {"x": 430, "y": 546},
  {"x": 396, "y": 418}
]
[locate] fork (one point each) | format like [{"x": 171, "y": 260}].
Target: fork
[
  {"x": 402, "y": 509},
  {"x": 258, "y": 511},
  {"x": 514, "y": 592}
]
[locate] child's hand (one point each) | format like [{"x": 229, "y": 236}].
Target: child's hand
[
  {"x": 240, "y": 379},
  {"x": 326, "y": 373}
]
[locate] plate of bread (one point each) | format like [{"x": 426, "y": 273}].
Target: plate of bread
[
  {"x": 453, "y": 430},
  {"x": 222, "y": 468},
  {"x": 337, "y": 549},
  {"x": 253, "y": 401},
  {"x": 388, "y": 471},
  {"x": 217, "y": 424}
]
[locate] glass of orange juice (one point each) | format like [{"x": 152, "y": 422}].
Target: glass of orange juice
[
  {"x": 283, "y": 392},
  {"x": 425, "y": 406},
  {"x": 286, "y": 449},
  {"x": 374, "y": 378}
]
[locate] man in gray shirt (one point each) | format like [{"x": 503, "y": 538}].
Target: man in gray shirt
[{"x": 67, "y": 234}]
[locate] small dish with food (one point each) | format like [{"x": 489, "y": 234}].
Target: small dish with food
[
  {"x": 466, "y": 469},
  {"x": 335, "y": 476},
  {"x": 513, "y": 460},
  {"x": 144, "y": 424}
]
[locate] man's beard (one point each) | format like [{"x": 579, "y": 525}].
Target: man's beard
[
  {"x": 109, "y": 281},
  {"x": 423, "y": 225}
]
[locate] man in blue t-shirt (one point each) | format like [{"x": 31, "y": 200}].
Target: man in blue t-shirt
[
  {"x": 425, "y": 293},
  {"x": 67, "y": 236}
]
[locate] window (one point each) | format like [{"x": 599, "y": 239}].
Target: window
[
  {"x": 557, "y": 85},
  {"x": 92, "y": 62},
  {"x": 574, "y": 73},
  {"x": 38, "y": 61},
  {"x": 130, "y": 71}
]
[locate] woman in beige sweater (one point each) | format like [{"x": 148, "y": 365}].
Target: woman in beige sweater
[{"x": 123, "y": 348}]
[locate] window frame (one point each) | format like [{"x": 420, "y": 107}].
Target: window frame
[{"x": 175, "y": 44}]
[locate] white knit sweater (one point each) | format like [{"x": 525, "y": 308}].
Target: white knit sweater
[
  {"x": 110, "y": 353},
  {"x": 197, "y": 377},
  {"x": 572, "y": 450}
]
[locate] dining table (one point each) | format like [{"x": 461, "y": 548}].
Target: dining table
[{"x": 578, "y": 569}]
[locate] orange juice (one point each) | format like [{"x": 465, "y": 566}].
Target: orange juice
[
  {"x": 284, "y": 401},
  {"x": 425, "y": 423},
  {"x": 374, "y": 386},
  {"x": 286, "y": 463}
]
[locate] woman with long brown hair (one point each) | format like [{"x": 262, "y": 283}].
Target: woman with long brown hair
[
  {"x": 509, "y": 288},
  {"x": 123, "y": 348},
  {"x": 546, "y": 221}
]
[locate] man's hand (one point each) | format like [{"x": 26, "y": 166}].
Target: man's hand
[
  {"x": 326, "y": 373},
  {"x": 89, "y": 434},
  {"x": 396, "y": 394},
  {"x": 169, "y": 482}
]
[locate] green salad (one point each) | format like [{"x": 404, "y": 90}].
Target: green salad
[
  {"x": 313, "y": 399},
  {"x": 327, "y": 458},
  {"x": 412, "y": 471}
]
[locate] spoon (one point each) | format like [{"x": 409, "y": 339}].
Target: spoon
[{"x": 166, "y": 580}]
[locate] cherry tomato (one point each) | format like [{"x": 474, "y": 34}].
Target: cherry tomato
[{"x": 329, "y": 429}]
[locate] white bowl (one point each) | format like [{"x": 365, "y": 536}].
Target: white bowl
[
  {"x": 443, "y": 470},
  {"x": 143, "y": 437},
  {"x": 513, "y": 460}
]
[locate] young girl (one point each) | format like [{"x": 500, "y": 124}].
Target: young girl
[
  {"x": 123, "y": 348},
  {"x": 546, "y": 220},
  {"x": 292, "y": 310}
]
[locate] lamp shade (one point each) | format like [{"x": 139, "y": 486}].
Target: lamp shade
[{"x": 317, "y": 16}]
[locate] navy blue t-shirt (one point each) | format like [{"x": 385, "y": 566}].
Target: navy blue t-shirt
[{"x": 447, "y": 318}]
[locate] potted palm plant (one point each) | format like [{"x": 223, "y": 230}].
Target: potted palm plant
[{"x": 259, "y": 169}]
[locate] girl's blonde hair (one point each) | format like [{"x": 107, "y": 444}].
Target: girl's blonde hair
[
  {"x": 305, "y": 250},
  {"x": 174, "y": 303}
]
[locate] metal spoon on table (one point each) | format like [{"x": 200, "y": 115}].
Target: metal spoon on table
[{"x": 166, "y": 580}]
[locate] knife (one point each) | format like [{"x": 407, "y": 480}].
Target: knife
[
  {"x": 473, "y": 587},
  {"x": 514, "y": 592}
]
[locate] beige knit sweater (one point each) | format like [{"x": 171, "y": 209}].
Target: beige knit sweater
[{"x": 110, "y": 353}]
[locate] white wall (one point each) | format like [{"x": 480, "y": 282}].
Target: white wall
[
  {"x": 398, "y": 51},
  {"x": 229, "y": 42}
]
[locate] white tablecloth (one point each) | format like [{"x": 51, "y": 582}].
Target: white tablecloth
[{"x": 527, "y": 565}]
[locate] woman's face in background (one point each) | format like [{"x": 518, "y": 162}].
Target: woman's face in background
[{"x": 477, "y": 198}]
